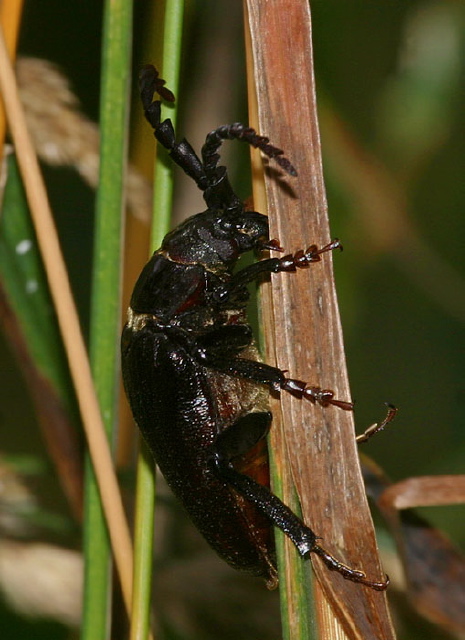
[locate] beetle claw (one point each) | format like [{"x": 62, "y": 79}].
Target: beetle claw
[{"x": 355, "y": 575}]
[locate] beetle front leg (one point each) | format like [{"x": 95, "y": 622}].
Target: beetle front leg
[
  {"x": 282, "y": 517},
  {"x": 290, "y": 263}
]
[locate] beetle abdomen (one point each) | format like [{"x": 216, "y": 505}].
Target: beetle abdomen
[{"x": 174, "y": 403}]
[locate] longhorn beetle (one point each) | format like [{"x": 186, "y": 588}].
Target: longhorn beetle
[{"x": 191, "y": 371}]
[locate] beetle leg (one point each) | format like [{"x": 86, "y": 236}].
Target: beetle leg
[
  {"x": 226, "y": 341},
  {"x": 289, "y": 263},
  {"x": 377, "y": 427},
  {"x": 244, "y": 276},
  {"x": 273, "y": 377},
  {"x": 282, "y": 517},
  {"x": 243, "y": 435},
  {"x": 302, "y": 259}
]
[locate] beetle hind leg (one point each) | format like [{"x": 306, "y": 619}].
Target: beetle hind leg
[{"x": 304, "y": 539}]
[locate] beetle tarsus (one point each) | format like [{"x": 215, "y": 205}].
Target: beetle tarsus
[
  {"x": 355, "y": 575},
  {"x": 316, "y": 395},
  {"x": 304, "y": 258},
  {"x": 377, "y": 427}
]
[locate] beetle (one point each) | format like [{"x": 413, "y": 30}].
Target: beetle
[{"x": 196, "y": 385}]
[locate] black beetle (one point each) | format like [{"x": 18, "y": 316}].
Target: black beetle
[{"x": 197, "y": 389}]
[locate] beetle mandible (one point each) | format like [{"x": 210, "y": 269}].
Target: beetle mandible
[{"x": 196, "y": 386}]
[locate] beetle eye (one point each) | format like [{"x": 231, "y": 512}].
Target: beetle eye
[
  {"x": 226, "y": 225},
  {"x": 246, "y": 229}
]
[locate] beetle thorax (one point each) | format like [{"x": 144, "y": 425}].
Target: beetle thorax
[
  {"x": 215, "y": 238},
  {"x": 202, "y": 240}
]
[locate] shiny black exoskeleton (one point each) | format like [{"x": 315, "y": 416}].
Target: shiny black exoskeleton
[{"x": 192, "y": 374}]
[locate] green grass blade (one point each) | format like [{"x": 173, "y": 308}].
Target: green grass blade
[
  {"x": 105, "y": 315},
  {"x": 163, "y": 198},
  {"x": 31, "y": 329},
  {"x": 26, "y": 289},
  {"x": 295, "y": 576},
  {"x": 143, "y": 545}
]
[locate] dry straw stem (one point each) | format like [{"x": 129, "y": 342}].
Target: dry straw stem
[
  {"x": 69, "y": 325},
  {"x": 10, "y": 19},
  {"x": 320, "y": 442},
  {"x": 425, "y": 491}
]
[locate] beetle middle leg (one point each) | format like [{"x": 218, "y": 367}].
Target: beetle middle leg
[
  {"x": 259, "y": 372},
  {"x": 378, "y": 426},
  {"x": 237, "y": 440},
  {"x": 220, "y": 349}
]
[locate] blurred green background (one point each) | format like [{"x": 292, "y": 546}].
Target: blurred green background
[{"x": 390, "y": 82}]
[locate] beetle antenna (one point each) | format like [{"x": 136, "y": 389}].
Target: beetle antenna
[
  {"x": 238, "y": 131},
  {"x": 206, "y": 173},
  {"x": 150, "y": 83},
  {"x": 181, "y": 152}
]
